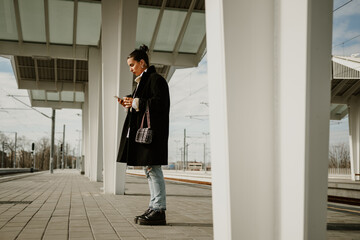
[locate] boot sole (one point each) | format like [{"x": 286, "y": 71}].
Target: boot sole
[{"x": 152, "y": 222}]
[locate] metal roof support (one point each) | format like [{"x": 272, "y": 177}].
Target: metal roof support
[
  {"x": 301, "y": 139},
  {"x": 157, "y": 27},
  {"x": 31, "y": 97},
  {"x": 182, "y": 60},
  {"x": 342, "y": 114},
  {"x": 351, "y": 90},
  {"x": 337, "y": 89},
  {"x": 183, "y": 28},
  {"x": 49, "y": 85},
  {"x": 354, "y": 129},
  {"x": 38, "y": 49},
  {"x": 200, "y": 52},
  {"x": 47, "y": 28},
  {"x": 75, "y": 25},
  {"x": 15, "y": 65},
  {"x": 334, "y": 113},
  {"x": 57, "y": 105},
  {"x": 18, "y": 21},
  {"x": 74, "y": 79},
  {"x": 56, "y": 74},
  {"x": 36, "y": 72}
]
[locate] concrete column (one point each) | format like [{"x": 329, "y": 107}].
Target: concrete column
[
  {"x": 269, "y": 95},
  {"x": 94, "y": 113},
  {"x": 118, "y": 40},
  {"x": 86, "y": 136},
  {"x": 354, "y": 135}
]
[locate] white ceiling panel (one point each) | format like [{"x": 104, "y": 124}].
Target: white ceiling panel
[
  {"x": 79, "y": 97},
  {"x": 194, "y": 33},
  {"x": 170, "y": 27},
  {"x": 32, "y": 20},
  {"x": 88, "y": 23},
  {"x": 146, "y": 22},
  {"x": 67, "y": 96},
  {"x": 61, "y": 18},
  {"x": 53, "y": 96},
  {"x": 38, "y": 94},
  {"x": 8, "y": 30}
]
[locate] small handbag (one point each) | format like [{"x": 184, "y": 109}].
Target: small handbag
[{"x": 144, "y": 135}]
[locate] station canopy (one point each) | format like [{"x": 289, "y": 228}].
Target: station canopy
[
  {"x": 48, "y": 42},
  {"x": 344, "y": 84}
]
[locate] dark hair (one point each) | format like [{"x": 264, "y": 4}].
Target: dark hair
[{"x": 140, "y": 53}]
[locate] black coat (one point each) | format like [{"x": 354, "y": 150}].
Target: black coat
[{"x": 154, "y": 89}]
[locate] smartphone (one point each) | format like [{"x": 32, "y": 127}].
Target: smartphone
[{"x": 120, "y": 100}]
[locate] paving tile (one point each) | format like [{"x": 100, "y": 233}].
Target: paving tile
[
  {"x": 84, "y": 234},
  {"x": 106, "y": 236},
  {"x": 55, "y": 237}
]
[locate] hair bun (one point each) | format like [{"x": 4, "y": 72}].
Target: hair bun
[{"x": 144, "y": 48}]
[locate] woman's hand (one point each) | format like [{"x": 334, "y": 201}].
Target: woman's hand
[{"x": 127, "y": 102}]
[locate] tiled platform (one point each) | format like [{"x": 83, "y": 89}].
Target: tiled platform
[{"x": 66, "y": 205}]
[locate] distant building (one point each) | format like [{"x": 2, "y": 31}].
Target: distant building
[{"x": 195, "y": 166}]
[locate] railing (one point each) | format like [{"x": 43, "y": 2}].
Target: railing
[{"x": 339, "y": 173}]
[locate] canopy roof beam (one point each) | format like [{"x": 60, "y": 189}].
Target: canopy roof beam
[
  {"x": 42, "y": 50},
  {"x": 183, "y": 28},
  {"x": 56, "y": 105},
  {"x": 47, "y": 28},
  {"x": 200, "y": 52},
  {"x": 49, "y": 85},
  {"x": 157, "y": 27},
  {"x": 36, "y": 72},
  {"x": 338, "y": 87},
  {"x": 18, "y": 21},
  {"x": 75, "y": 25},
  {"x": 351, "y": 90},
  {"x": 182, "y": 60}
]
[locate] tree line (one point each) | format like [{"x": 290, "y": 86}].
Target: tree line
[
  {"x": 25, "y": 156},
  {"x": 339, "y": 156}
]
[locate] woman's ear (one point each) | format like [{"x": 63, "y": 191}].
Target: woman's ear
[{"x": 143, "y": 63}]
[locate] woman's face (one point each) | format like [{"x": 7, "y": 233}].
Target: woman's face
[{"x": 136, "y": 67}]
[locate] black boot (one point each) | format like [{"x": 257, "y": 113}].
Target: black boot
[
  {"x": 155, "y": 217},
  {"x": 142, "y": 215}
]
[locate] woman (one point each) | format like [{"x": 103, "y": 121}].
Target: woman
[{"x": 151, "y": 90}]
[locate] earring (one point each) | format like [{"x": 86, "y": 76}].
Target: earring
[{"x": 142, "y": 66}]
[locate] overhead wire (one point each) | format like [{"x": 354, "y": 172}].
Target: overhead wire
[{"x": 342, "y": 5}]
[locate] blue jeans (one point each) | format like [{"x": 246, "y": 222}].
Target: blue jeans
[{"x": 156, "y": 181}]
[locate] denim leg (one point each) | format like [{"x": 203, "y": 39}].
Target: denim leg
[
  {"x": 152, "y": 198},
  {"x": 156, "y": 177}
]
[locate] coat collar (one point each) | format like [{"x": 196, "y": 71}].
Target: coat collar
[{"x": 149, "y": 71}]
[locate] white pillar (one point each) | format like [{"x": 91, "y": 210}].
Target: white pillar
[
  {"x": 86, "y": 136},
  {"x": 94, "y": 114},
  {"x": 354, "y": 135},
  {"x": 269, "y": 94},
  {"x": 118, "y": 40}
]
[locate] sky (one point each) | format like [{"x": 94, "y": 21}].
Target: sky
[
  {"x": 27, "y": 122},
  {"x": 346, "y": 42},
  {"x": 189, "y": 110},
  {"x": 346, "y": 28}
]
